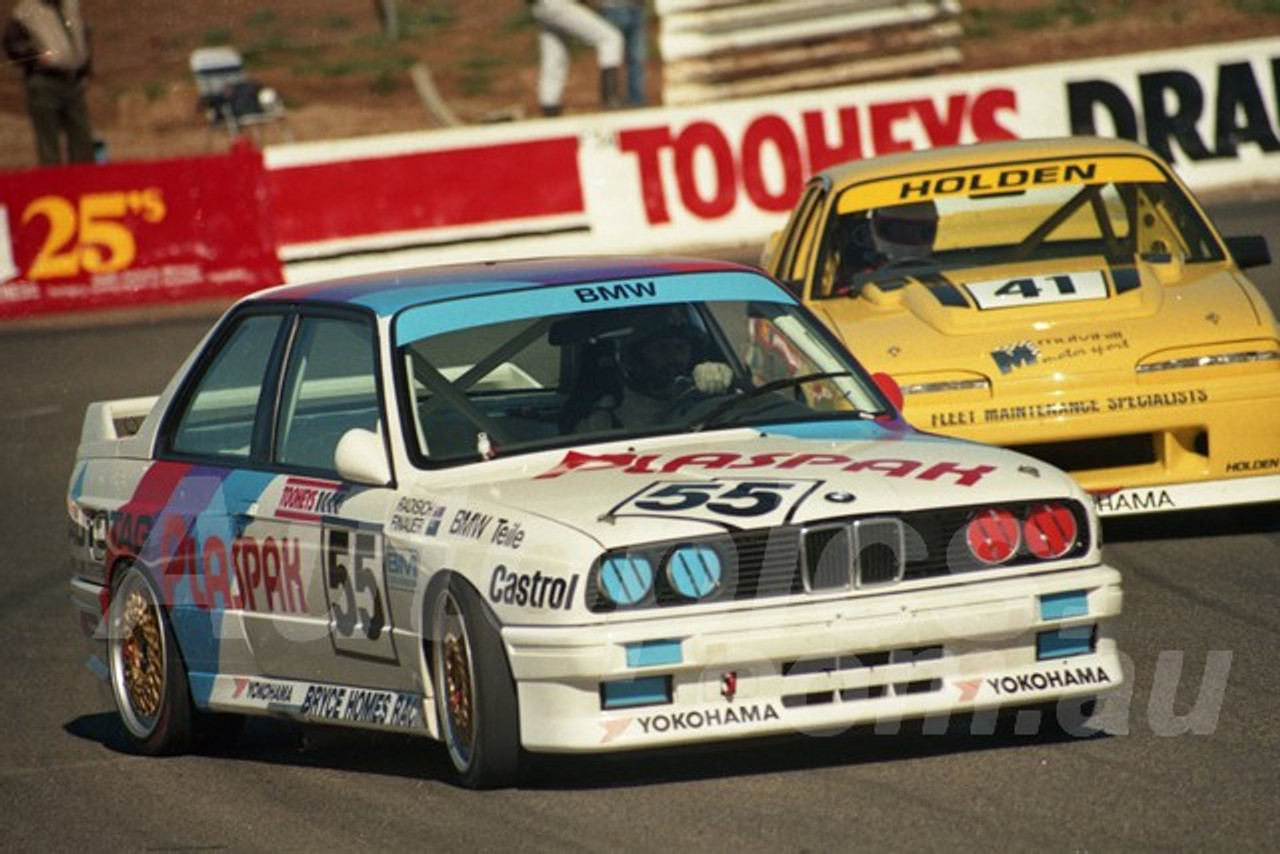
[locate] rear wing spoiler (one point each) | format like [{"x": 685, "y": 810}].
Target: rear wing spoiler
[{"x": 112, "y": 420}]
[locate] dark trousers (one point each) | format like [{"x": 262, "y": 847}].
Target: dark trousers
[
  {"x": 58, "y": 108},
  {"x": 633, "y": 22}
]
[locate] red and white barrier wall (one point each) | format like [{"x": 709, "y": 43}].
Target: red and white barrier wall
[{"x": 652, "y": 180}]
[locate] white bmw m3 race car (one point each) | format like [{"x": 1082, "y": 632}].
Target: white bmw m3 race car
[{"x": 566, "y": 505}]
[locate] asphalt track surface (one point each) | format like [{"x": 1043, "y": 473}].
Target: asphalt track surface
[{"x": 1187, "y": 759}]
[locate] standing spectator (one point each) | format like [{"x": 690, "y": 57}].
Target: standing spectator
[
  {"x": 51, "y": 42},
  {"x": 631, "y": 17},
  {"x": 559, "y": 21}
]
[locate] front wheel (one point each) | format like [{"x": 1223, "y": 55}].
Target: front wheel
[
  {"x": 475, "y": 692},
  {"x": 148, "y": 677}
]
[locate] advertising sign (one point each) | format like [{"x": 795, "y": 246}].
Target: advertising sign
[
  {"x": 626, "y": 181},
  {"x": 671, "y": 179},
  {"x": 107, "y": 235}
]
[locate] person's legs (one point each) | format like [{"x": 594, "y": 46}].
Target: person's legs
[
  {"x": 573, "y": 20},
  {"x": 75, "y": 121},
  {"x": 44, "y": 105},
  {"x": 552, "y": 72},
  {"x": 633, "y": 23},
  {"x": 638, "y": 56}
]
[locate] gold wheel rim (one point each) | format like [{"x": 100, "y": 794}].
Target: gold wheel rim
[
  {"x": 457, "y": 685},
  {"x": 142, "y": 654}
]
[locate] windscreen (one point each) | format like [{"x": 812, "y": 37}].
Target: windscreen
[
  {"x": 1104, "y": 210},
  {"x": 532, "y": 380}
]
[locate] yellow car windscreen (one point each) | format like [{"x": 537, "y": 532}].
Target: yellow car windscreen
[{"x": 1116, "y": 207}]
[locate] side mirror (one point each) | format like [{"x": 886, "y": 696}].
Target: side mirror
[
  {"x": 889, "y": 388},
  {"x": 361, "y": 457},
  {"x": 1249, "y": 251}
]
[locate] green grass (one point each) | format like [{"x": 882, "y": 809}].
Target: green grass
[
  {"x": 337, "y": 23},
  {"x": 478, "y": 70},
  {"x": 419, "y": 19},
  {"x": 258, "y": 53},
  {"x": 1031, "y": 19},
  {"x": 980, "y": 23},
  {"x": 518, "y": 22},
  {"x": 385, "y": 82},
  {"x": 261, "y": 18},
  {"x": 217, "y": 36},
  {"x": 349, "y": 50},
  {"x": 990, "y": 23},
  {"x": 385, "y": 73}
]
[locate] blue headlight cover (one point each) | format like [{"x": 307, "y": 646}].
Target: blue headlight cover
[
  {"x": 695, "y": 572},
  {"x": 626, "y": 579}
]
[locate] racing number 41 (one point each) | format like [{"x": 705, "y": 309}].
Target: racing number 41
[
  {"x": 1063, "y": 287},
  {"x": 1030, "y": 289}
]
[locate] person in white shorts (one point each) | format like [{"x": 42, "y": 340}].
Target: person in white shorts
[{"x": 559, "y": 21}]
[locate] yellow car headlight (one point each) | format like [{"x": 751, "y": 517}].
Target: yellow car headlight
[
  {"x": 961, "y": 383},
  {"x": 946, "y": 386},
  {"x": 1248, "y": 353}
]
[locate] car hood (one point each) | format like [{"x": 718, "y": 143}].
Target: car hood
[
  {"x": 664, "y": 487},
  {"x": 1076, "y": 316}
]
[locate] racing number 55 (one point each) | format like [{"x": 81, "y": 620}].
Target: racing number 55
[
  {"x": 355, "y": 592},
  {"x": 747, "y": 498}
]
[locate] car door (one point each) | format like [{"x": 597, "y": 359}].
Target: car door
[
  {"x": 206, "y": 478},
  {"x": 272, "y": 563},
  {"x": 338, "y": 625}
]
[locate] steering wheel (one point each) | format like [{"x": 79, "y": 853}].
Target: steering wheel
[
  {"x": 684, "y": 402},
  {"x": 691, "y": 402}
]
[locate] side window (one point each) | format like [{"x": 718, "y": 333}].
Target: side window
[
  {"x": 802, "y": 235},
  {"x": 847, "y": 250},
  {"x": 218, "y": 418},
  {"x": 329, "y": 388},
  {"x": 1188, "y": 231}
]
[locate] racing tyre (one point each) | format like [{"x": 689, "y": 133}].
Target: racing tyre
[
  {"x": 216, "y": 732},
  {"x": 148, "y": 678},
  {"x": 475, "y": 692}
]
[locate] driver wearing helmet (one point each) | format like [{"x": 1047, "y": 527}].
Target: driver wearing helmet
[
  {"x": 661, "y": 361},
  {"x": 903, "y": 234}
]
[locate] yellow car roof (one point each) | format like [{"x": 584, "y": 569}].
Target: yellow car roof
[{"x": 961, "y": 156}]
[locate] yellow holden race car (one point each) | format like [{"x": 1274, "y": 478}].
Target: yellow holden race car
[{"x": 1067, "y": 298}]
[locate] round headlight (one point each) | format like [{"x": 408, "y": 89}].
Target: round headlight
[
  {"x": 695, "y": 572},
  {"x": 1050, "y": 531},
  {"x": 625, "y": 579},
  {"x": 993, "y": 536}
]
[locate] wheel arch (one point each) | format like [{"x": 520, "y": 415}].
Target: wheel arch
[
  {"x": 492, "y": 742},
  {"x": 114, "y": 571},
  {"x": 439, "y": 581}
]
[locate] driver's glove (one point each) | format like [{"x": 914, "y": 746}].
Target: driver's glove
[{"x": 712, "y": 377}]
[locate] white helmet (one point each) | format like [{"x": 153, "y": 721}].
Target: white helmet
[{"x": 905, "y": 231}]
